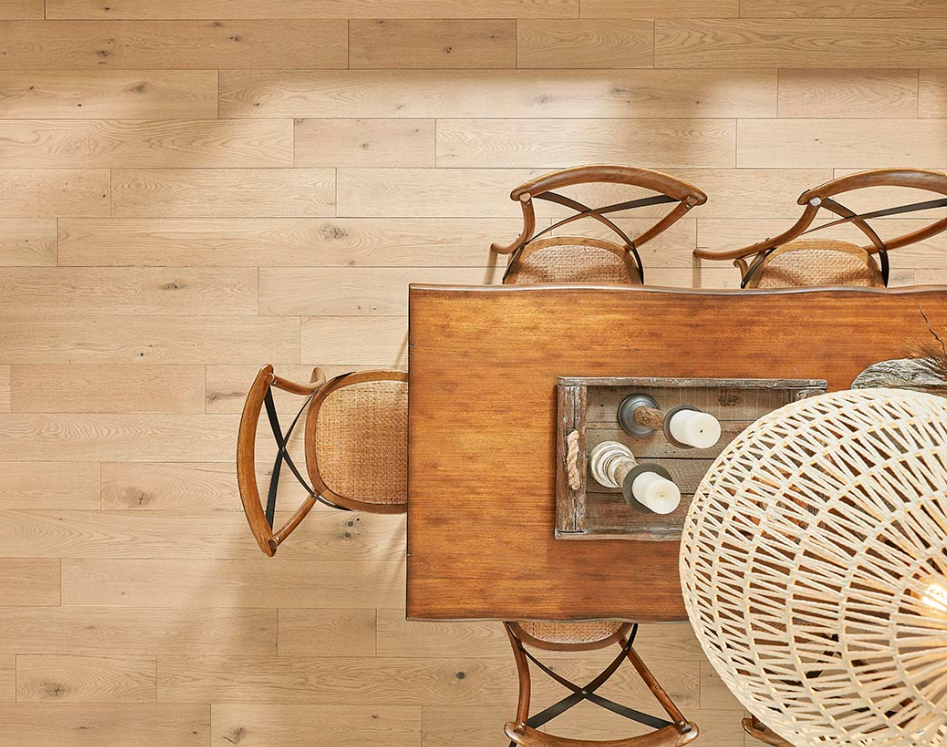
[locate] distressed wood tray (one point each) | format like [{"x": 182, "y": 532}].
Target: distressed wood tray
[{"x": 590, "y": 406}]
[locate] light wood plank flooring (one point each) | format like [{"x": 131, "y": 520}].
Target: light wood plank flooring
[{"x": 189, "y": 190}]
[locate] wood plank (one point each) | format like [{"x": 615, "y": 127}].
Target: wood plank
[
  {"x": 521, "y": 94},
  {"x": 222, "y": 193},
  {"x": 398, "y": 43},
  {"x": 590, "y": 42},
  {"x": 364, "y": 142},
  {"x": 848, "y": 94},
  {"x": 258, "y": 583},
  {"x": 401, "y": 638},
  {"x": 666, "y": 9},
  {"x": 932, "y": 96},
  {"x": 128, "y": 290},
  {"x": 106, "y": 724},
  {"x": 282, "y": 242},
  {"x": 375, "y": 292},
  {"x": 172, "y": 45},
  {"x": 29, "y": 437},
  {"x": 103, "y": 389},
  {"x": 799, "y": 43},
  {"x": 49, "y": 485},
  {"x": 169, "y": 486},
  {"x": 205, "y": 537},
  {"x": 85, "y": 679},
  {"x": 737, "y": 193},
  {"x": 111, "y": 631},
  {"x": 314, "y": 632},
  {"x": 367, "y": 681},
  {"x": 227, "y": 385},
  {"x": 29, "y": 582},
  {"x": 316, "y": 9},
  {"x": 32, "y": 193},
  {"x": 277, "y": 725},
  {"x": 27, "y": 242},
  {"x": 551, "y": 143},
  {"x": 840, "y": 143},
  {"x": 7, "y": 678},
  {"x": 98, "y": 94},
  {"x": 360, "y": 340},
  {"x": 842, "y": 9},
  {"x": 167, "y": 143},
  {"x": 22, "y": 10},
  {"x": 714, "y": 694},
  {"x": 146, "y": 339},
  {"x": 6, "y": 388}
]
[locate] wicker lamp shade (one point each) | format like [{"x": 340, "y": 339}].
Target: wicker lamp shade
[{"x": 814, "y": 568}]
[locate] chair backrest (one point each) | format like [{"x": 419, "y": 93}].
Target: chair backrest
[
  {"x": 356, "y": 435},
  {"x": 752, "y": 259},
  {"x": 669, "y": 190},
  {"x": 584, "y": 635}
]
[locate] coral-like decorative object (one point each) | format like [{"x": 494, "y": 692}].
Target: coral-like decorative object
[{"x": 814, "y": 567}]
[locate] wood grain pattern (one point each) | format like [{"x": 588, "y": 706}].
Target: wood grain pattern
[
  {"x": 842, "y": 9},
  {"x": 169, "y": 486},
  {"x": 550, "y": 144},
  {"x": 360, "y": 340},
  {"x": 521, "y": 94},
  {"x": 848, "y": 94},
  {"x": 279, "y": 242},
  {"x": 170, "y": 143},
  {"x": 668, "y": 9},
  {"x": 932, "y": 93},
  {"x": 85, "y": 679},
  {"x": 171, "y": 45},
  {"x": 30, "y": 582},
  {"x": 49, "y": 485},
  {"x": 30, "y": 193},
  {"x": 276, "y": 725},
  {"x": 102, "y": 389},
  {"x": 128, "y": 290},
  {"x": 798, "y": 43},
  {"x": 226, "y": 193},
  {"x": 593, "y": 43},
  {"x": 22, "y": 9},
  {"x": 519, "y": 331},
  {"x": 364, "y": 142},
  {"x": 5, "y": 389},
  {"x": 106, "y": 724},
  {"x": 7, "y": 678},
  {"x": 147, "y": 339},
  {"x": 302, "y": 9},
  {"x": 432, "y": 44},
  {"x": 331, "y": 632},
  {"x": 149, "y": 94},
  {"x": 28, "y": 242}
]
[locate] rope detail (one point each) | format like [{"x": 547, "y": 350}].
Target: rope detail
[{"x": 572, "y": 460}]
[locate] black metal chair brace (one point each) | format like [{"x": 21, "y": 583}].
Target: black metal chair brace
[
  {"x": 282, "y": 454},
  {"x": 588, "y": 692},
  {"x": 584, "y": 211},
  {"x": 849, "y": 216}
]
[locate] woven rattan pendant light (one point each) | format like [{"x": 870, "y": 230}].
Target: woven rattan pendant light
[{"x": 814, "y": 567}]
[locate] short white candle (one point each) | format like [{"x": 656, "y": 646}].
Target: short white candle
[
  {"x": 694, "y": 428},
  {"x": 656, "y": 493}
]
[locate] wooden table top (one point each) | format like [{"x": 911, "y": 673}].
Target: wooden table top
[{"x": 483, "y": 364}]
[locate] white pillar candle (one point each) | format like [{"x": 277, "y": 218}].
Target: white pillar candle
[
  {"x": 656, "y": 493},
  {"x": 694, "y": 428}
]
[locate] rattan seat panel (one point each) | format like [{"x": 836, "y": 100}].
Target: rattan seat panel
[
  {"x": 572, "y": 263},
  {"x": 579, "y": 633},
  {"x": 362, "y": 441},
  {"x": 819, "y": 262}
]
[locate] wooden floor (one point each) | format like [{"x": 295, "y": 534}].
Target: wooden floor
[{"x": 190, "y": 189}]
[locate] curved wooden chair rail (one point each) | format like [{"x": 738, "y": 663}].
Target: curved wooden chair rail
[
  {"x": 669, "y": 190},
  {"x": 756, "y": 729},
  {"x": 524, "y": 730},
  {"x": 268, "y": 538},
  {"x": 748, "y": 259}
]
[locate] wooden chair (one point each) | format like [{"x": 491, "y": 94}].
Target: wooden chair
[
  {"x": 356, "y": 442},
  {"x": 790, "y": 261},
  {"x": 586, "y": 636},
  {"x": 580, "y": 259}
]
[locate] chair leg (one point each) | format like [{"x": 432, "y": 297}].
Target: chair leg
[{"x": 756, "y": 729}]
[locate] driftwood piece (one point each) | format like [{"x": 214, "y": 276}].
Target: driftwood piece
[{"x": 917, "y": 374}]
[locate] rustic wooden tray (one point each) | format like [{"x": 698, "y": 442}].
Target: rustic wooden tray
[{"x": 590, "y": 407}]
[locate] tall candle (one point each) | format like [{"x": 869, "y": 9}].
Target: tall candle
[
  {"x": 695, "y": 428},
  {"x": 612, "y": 463}
]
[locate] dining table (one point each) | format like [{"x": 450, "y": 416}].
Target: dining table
[{"x": 484, "y": 362}]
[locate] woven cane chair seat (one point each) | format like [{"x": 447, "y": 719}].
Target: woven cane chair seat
[
  {"x": 361, "y": 441},
  {"x": 550, "y": 261},
  {"x": 818, "y": 262},
  {"x": 581, "y": 633}
]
